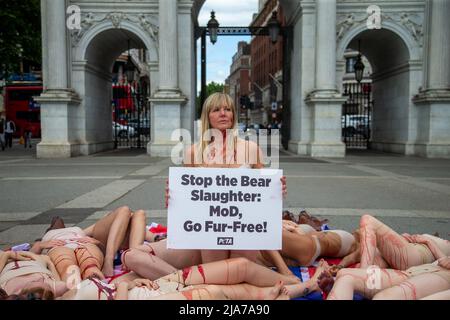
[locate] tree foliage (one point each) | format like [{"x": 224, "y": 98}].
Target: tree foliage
[
  {"x": 20, "y": 34},
  {"x": 211, "y": 88},
  {"x": 214, "y": 87}
]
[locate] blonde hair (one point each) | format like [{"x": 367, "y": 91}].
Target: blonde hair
[{"x": 215, "y": 99}]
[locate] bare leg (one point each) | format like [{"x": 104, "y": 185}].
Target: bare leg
[
  {"x": 111, "y": 231},
  {"x": 395, "y": 249},
  {"x": 443, "y": 295},
  {"x": 367, "y": 282},
  {"x": 214, "y": 255},
  {"x": 90, "y": 259},
  {"x": 230, "y": 271},
  {"x": 137, "y": 229},
  {"x": 66, "y": 264},
  {"x": 417, "y": 287},
  {"x": 226, "y": 292},
  {"x": 304, "y": 288},
  {"x": 143, "y": 261}
]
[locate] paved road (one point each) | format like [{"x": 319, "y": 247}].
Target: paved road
[{"x": 411, "y": 194}]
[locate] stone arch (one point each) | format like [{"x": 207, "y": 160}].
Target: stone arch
[
  {"x": 415, "y": 51},
  {"x": 393, "y": 54},
  {"x": 92, "y": 33},
  {"x": 93, "y": 60}
]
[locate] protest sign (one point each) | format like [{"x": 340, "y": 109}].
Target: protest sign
[{"x": 222, "y": 208}]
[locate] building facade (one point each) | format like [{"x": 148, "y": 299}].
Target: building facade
[
  {"x": 239, "y": 79},
  {"x": 267, "y": 67},
  {"x": 406, "y": 43}
]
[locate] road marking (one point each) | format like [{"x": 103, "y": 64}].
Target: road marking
[
  {"x": 406, "y": 179},
  {"x": 102, "y": 196},
  {"x": 17, "y": 216},
  {"x": 60, "y": 178}
]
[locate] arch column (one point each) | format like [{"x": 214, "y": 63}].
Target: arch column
[
  {"x": 434, "y": 100},
  {"x": 168, "y": 99},
  {"x": 325, "y": 100},
  {"x": 58, "y": 101}
]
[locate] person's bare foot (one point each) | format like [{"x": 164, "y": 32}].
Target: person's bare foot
[
  {"x": 299, "y": 290},
  {"x": 325, "y": 281},
  {"x": 93, "y": 272},
  {"x": 274, "y": 292},
  {"x": 108, "y": 268}
]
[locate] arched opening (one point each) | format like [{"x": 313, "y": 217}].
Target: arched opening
[
  {"x": 389, "y": 103},
  {"x": 255, "y": 72},
  {"x": 115, "y": 109}
]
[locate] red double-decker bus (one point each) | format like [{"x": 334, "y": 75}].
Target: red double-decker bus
[
  {"x": 123, "y": 103},
  {"x": 21, "y": 108}
]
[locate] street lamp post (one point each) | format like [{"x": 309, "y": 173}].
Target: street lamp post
[
  {"x": 274, "y": 27},
  {"x": 213, "y": 26},
  {"x": 129, "y": 66},
  {"x": 359, "y": 65}
]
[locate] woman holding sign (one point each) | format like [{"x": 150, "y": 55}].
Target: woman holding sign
[{"x": 222, "y": 148}]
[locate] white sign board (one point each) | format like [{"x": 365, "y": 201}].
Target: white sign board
[{"x": 212, "y": 208}]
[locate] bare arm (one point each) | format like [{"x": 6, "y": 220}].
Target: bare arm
[
  {"x": 38, "y": 246},
  {"x": 274, "y": 257},
  {"x": 122, "y": 291},
  {"x": 437, "y": 253},
  {"x": 51, "y": 267},
  {"x": 4, "y": 257},
  {"x": 351, "y": 258}
]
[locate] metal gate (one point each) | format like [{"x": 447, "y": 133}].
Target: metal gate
[
  {"x": 357, "y": 115},
  {"x": 131, "y": 116}
]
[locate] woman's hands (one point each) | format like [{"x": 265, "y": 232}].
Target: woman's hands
[
  {"x": 167, "y": 194},
  {"x": 416, "y": 238},
  {"x": 142, "y": 283},
  {"x": 283, "y": 186},
  {"x": 87, "y": 240},
  {"x": 444, "y": 262},
  {"x": 22, "y": 255},
  {"x": 50, "y": 244}
]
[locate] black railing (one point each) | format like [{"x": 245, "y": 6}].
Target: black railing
[
  {"x": 131, "y": 120},
  {"x": 357, "y": 115}
]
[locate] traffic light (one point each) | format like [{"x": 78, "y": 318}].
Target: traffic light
[{"x": 242, "y": 102}]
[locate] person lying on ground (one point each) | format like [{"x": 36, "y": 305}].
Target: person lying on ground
[
  {"x": 24, "y": 273},
  {"x": 398, "y": 251},
  {"x": 375, "y": 283},
  {"x": 118, "y": 230},
  {"x": 231, "y": 279}
]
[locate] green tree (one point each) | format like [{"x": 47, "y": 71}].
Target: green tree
[
  {"x": 20, "y": 35},
  {"x": 214, "y": 87},
  {"x": 211, "y": 88}
]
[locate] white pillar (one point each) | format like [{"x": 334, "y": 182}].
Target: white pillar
[
  {"x": 325, "y": 100},
  {"x": 168, "y": 48},
  {"x": 56, "y": 45},
  {"x": 168, "y": 99},
  {"x": 438, "y": 73},
  {"x": 326, "y": 45},
  {"x": 58, "y": 102},
  {"x": 433, "y": 102}
]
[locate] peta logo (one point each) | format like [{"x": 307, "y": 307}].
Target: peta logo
[
  {"x": 374, "y": 19},
  {"x": 225, "y": 241},
  {"x": 73, "y": 22}
]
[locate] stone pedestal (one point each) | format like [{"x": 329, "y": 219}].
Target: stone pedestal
[
  {"x": 166, "y": 117},
  {"x": 58, "y": 132},
  {"x": 434, "y": 133},
  {"x": 326, "y": 127},
  {"x": 433, "y": 102}
]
